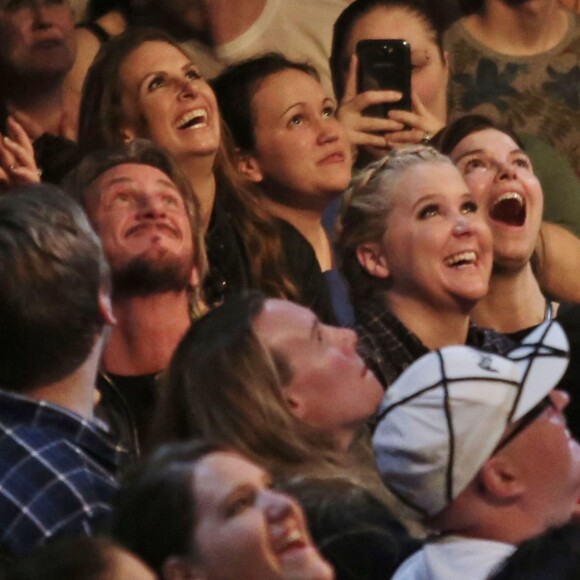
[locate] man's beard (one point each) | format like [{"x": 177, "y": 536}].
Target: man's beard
[{"x": 143, "y": 277}]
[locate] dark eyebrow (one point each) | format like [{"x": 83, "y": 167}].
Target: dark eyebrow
[
  {"x": 428, "y": 197},
  {"x": 291, "y": 107},
  {"x": 471, "y": 152},
  {"x": 516, "y": 151},
  {"x": 168, "y": 184}
]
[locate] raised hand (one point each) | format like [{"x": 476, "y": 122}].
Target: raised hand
[{"x": 17, "y": 163}]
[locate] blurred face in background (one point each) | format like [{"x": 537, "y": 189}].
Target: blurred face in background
[{"x": 37, "y": 38}]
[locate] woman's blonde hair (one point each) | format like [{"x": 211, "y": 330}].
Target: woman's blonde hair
[{"x": 365, "y": 212}]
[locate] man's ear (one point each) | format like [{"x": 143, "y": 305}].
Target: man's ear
[
  {"x": 178, "y": 568},
  {"x": 372, "y": 258},
  {"x": 106, "y": 308},
  {"x": 194, "y": 277},
  {"x": 248, "y": 166},
  {"x": 295, "y": 402},
  {"x": 499, "y": 478}
]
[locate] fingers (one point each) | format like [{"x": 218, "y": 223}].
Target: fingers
[
  {"x": 6, "y": 160},
  {"x": 420, "y": 119},
  {"x": 17, "y": 156},
  {"x": 23, "y": 175},
  {"x": 362, "y": 139},
  {"x": 18, "y": 135},
  {"x": 351, "y": 114},
  {"x": 369, "y": 98},
  {"x": 409, "y": 137},
  {"x": 32, "y": 128},
  {"x": 18, "y": 145},
  {"x": 378, "y": 125}
]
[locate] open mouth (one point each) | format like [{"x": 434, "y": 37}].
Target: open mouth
[
  {"x": 461, "y": 260},
  {"x": 193, "y": 120},
  {"x": 293, "y": 540},
  {"x": 509, "y": 209}
]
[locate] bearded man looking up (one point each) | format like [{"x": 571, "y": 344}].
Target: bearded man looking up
[{"x": 146, "y": 215}]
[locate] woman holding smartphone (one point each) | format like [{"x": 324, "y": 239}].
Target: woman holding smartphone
[
  {"x": 416, "y": 23},
  {"x": 391, "y": 19}
]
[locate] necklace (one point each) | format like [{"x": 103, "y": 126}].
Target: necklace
[{"x": 549, "y": 312}]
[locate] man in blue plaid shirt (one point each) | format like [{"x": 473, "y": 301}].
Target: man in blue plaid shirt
[{"x": 57, "y": 468}]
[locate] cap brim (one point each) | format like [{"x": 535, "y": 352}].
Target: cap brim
[{"x": 543, "y": 358}]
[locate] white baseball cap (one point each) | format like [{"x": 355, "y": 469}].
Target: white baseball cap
[{"x": 444, "y": 416}]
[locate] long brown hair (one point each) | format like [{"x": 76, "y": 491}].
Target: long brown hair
[
  {"x": 225, "y": 385},
  {"x": 100, "y": 123}
]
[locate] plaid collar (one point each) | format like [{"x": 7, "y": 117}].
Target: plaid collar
[{"x": 88, "y": 434}]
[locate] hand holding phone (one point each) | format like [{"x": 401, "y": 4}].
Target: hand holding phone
[{"x": 385, "y": 64}]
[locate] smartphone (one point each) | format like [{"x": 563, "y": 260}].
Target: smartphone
[{"x": 384, "y": 65}]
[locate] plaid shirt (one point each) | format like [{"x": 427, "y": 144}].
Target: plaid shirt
[
  {"x": 389, "y": 347},
  {"x": 57, "y": 473}
]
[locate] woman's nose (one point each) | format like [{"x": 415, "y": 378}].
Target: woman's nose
[
  {"x": 185, "y": 88},
  {"x": 462, "y": 225},
  {"x": 505, "y": 171},
  {"x": 277, "y": 506},
  {"x": 328, "y": 130}
]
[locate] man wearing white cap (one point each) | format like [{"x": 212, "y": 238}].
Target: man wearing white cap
[{"x": 477, "y": 446}]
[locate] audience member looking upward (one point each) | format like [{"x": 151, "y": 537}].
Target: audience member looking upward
[
  {"x": 37, "y": 51},
  {"x": 79, "y": 559},
  {"x": 226, "y": 521},
  {"x": 144, "y": 85},
  {"x": 288, "y": 140},
  {"x": 147, "y": 217},
  {"x": 478, "y": 446},
  {"x": 57, "y": 469},
  {"x": 501, "y": 178},
  {"x": 416, "y": 252},
  {"x": 418, "y": 23},
  {"x": 519, "y": 62},
  {"x": 290, "y": 144},
  {"x": 267, "y": 378},
  {"x": 415, "y": 22}
]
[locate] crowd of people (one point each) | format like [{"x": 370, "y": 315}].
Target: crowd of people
[{"x": 248, "y": 330}]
